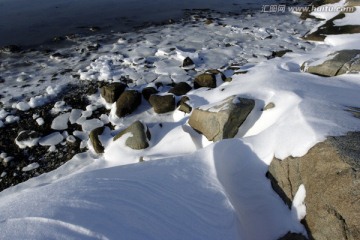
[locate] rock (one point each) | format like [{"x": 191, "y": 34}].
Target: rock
[
  {"x": 183, "y": 106},
  {"x": 188, "y": 63},
  {"x": 223, "y": 120},
  {"x": 330, "y": 174},
  {"x": 10, "y": 49},
  {"x": 112, "y": 91},
  {"x": 162, "y": 103},
  {"x": 268, "y": 106},
  {"x": 94, "y": 138},
  {"x": 329, "y": 28},
  {"x": 293, "y": 236},
  {"x": 127, "y": 102},
  {"x": 148, "y": 91},
  {"x": 339, "y": 63},
  {"x": 280, "y": 53},
  {"x": 205, "y": 80},
  {"x": 140, "y": 136},
  {"x": 180, "y": 89}
]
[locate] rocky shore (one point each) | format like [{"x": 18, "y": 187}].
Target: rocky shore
[{"x": 158, "y": 87}]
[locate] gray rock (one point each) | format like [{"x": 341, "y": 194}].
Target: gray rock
[
  {"x": 180, "y": 89},
  {"x": 339, "y": 63},
  {"x": 221, "y": 121},
  {"x": 162, "y": 103},
  {"x": 140, "y": 136},
  {"x": 112, "y": 91},
  {"x": 330, "y": 174},
  {"x": 94, "y": 138},
  {"x": 280, "y": 53},
  {"x": 205, "y": 80},
  {"x": 127, "y": 102}
]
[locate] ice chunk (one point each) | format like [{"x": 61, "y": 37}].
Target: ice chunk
[
  {"x": 51, "y": 139},
  {"x": 91, "y": 124},
  {"x": 30, "y": 167},
  {"x": 61, "y": 122},
  {"x": 23, "y": 106}
]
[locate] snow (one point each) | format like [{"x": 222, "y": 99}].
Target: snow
[
  {"x": 89, "y": 125},
  {"x": 187, "y": 187},
  {"x": 40, "y": 121},
  {"x": 30, "y": 167},
  {"x": 23, "y": 106},
  {"x": 328, "y": 11},
  {"x": 51, "y": 139},
  {"x": 60, "y": 122},
  {"x": 27, "y": 143},
  {"x": 349, "y": 19}
]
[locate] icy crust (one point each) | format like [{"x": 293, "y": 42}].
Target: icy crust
[{"x": 189, "y": 187}]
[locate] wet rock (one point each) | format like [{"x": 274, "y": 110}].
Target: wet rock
[
  {"x": 217, "y": 122},
  {"x": 10, "y": 49},
  {"x": 280, "y": 53},
  {"x": 329, "y": 28},
  {"x": 330, "y": 174},
  {"x": 162, "y": 103},
  {"x": 183, "y": 106},
  {"x": 338, "y": 63},
  {"x": 127, "y": 102},
  {"x": 112, "y": 91},
  {"x": 180, "y": 89},
  {"x": 140, "y": 136},
  {"x": 188, "y": 63},
  {"x": 94, "y": 139},
  {"x": 148, "y": 91}
]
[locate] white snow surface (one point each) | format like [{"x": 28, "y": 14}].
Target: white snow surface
[{"x": 188, "y": 187}]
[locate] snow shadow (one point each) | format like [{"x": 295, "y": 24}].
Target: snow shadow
[{"x": 261, "y": 212}]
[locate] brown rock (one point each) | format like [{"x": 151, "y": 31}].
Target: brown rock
[
  {"x": 127, "y": 102},
  {"x": 180, "y": 89},
  {"x": 112, "y": 91},
  {"x": 94, "y": 139},
  {"x": 162, "y": 103},
  {"x": 330, "y": 174}
]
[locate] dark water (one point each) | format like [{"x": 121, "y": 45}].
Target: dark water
[{"x": 29, "y": 22}]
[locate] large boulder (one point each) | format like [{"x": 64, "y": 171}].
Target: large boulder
[
  {"x": 223, "y": 120},
  {"x": 162, "y": 103},
  {"x": 180, "y": 89},
  {"x": 335, "y": 64},
  {"x": 140, "y": 136},
  {"x": 127, "y": 102},
  {"x": 112, "y": 91},
  {"x": 95, "y": 141},
  {"x": 330, "y": 174}
]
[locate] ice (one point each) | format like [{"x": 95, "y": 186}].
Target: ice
[
  {"x": 40, "y": 121},
  {"x": 51, "y": 139},
  {"x": 89, "y": 125},
  {"x": 11, "y": 119},
  {"x": 60, "y": 122},
  {"x": 23, "y": 106},
  {"x": 75, "y": 115},
  {"x": 30, "y": 167}
]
